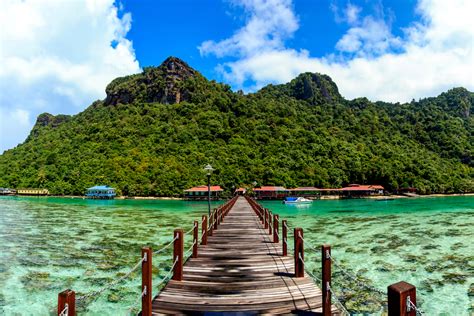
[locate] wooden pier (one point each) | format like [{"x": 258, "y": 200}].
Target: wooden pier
[
  {"x": 240, "y": 269},
  {"x": 240, "y": 265}
]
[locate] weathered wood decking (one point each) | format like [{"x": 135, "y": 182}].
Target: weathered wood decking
[{"x": 240, "y": 270}]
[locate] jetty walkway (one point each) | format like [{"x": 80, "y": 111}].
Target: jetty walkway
[
  {"x": 240, "y": 269},
  {"x": 239, "y": 265}
]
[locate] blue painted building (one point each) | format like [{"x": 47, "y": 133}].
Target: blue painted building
[{"x": 101, "y": 192}]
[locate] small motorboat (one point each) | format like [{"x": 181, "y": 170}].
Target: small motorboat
[{"x": 296, "y": 200}]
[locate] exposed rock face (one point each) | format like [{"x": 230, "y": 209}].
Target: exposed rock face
[
  {"x": 46, "y": 119},
  {"x": 164, "y": 84},
  {"x": 315, "y": 88}
]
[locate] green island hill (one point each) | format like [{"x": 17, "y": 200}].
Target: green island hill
[{"x": 154, "y": 132}]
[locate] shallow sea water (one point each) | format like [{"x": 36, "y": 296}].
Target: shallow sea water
[
  {"x": 428, "y": 242},
  {"x": 51, "y": 244}
]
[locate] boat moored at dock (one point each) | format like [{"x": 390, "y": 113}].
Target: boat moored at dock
[{"x": 296, "y": 200}]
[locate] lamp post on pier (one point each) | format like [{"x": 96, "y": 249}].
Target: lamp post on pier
[{"x": 208, "y": 168}]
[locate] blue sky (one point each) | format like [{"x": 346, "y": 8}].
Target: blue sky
[
  {"x": 178, "y": 28},
  {"x": 58, "y": 56}
]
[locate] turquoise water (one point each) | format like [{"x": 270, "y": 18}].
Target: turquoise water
[{"x": 51, "y": 244}]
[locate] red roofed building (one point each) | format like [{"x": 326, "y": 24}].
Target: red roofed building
[
  {"x": 356, "y": 190},
  {"x": 305, "y": 192},
  {"x": 271, "y": 192},
  {"x": 200, "y": 192}
]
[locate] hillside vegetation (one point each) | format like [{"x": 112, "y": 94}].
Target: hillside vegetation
[{"x": 156, "y": 130}]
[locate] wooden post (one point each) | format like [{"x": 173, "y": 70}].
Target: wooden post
[
  {"x": 211, "y": 226},
  {"x": 270, "y": 225},
  {"x": 266, "y": 219},
  {"x": 146, "y": 281},
  {"x": 284, "y": 236},
  {"x": 178, "y": 255},
  {"x": 299, "y": 251},
  {"x": 67, "y": 297},
  {"x": 204, "y": 230},
  {"x": 276, "y": 220},
  {"x": 195, "y": 239},
  {"x": 398, "y": 296},
  {"x": 326, "y": 278},
  {"x": 215, "y": 219},
  {"x": 218, "y": 215}
]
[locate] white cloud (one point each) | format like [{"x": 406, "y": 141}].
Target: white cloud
[
  {"x": 372, "y": 37},
  {"x": 57, "y": 57},
  {"x": 270, "y": 22},
  {"x": 434, "y": 55}
]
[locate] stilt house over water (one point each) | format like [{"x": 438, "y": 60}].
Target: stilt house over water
[
  {"x": 101, "y": 192},
  {"x": 200, "y": 192}
]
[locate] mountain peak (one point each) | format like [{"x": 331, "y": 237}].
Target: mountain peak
[
  {"x": 315, "y": 88},
  {"x": 163, "y": 84},
  {"x": 174, "y": 66}
]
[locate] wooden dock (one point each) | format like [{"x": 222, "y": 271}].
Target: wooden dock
[
  {"x": 240, "y": 265},
  {"x": 240, "y": 269}
]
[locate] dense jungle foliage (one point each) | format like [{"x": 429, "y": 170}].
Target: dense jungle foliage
[{"x": 156, "y": 130}]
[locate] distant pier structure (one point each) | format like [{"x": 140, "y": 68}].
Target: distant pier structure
[
  {"x": 32, "y": 192},
  {"x": 101, "y": 192}
]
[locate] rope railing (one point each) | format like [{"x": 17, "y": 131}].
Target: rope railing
[
  {"x": 189, "y": 252},
  {"x": 97, "y": 293},
  {"x": 189, "y": 231},
  {"x": 308, "y": 245},
  {"x": 137, "y": 301},
  {"x": 396, "y": 293},
  {"x": 165, "y": 247},
  {"x": 355, "y": 278},
  {"x": 338, "y": 302},
  {"x": 411, "y": 305},
  {"x": 67, "y": 300},
  {"x": 318, "y": 280},
  {"x": 168, "y": 275},
  {"x": 64, "y": 312},
  {"x": 351, "y": 276}
]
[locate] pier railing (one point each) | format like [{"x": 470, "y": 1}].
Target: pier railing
[
  {"x": 401, "y": 296},
  {"x": 67, "y": 300}
]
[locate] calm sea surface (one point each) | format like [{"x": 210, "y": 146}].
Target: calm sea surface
[{"x": 51, "y": 244}]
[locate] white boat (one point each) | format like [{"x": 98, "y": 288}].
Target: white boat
[{"x": 297, "y": 200}]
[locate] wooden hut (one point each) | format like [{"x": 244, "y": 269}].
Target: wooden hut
[
  {"x": 200, "y": 192},
  {"x": 359, "y": 190},
  {"x": 271, "y": 193},
  {"x": 101, "y": 192}
]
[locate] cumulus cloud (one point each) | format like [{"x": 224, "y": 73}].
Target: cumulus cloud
[
  {"x": 57, "y": 57},
  {"x": 435, "y": 54},
  {"x": 270, "y": 23},
  {"x": 370, "y": 37}
]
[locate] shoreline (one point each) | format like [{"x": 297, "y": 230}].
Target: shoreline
[
  {"x": 324, "y": 197},
  {"x": 395, "y": 196}
]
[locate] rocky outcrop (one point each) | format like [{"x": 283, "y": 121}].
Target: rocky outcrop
[
  {"x": 164, "y": 84},
  {"x": 48, "y": 120},
  {"x": 314, "y": 88}
]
